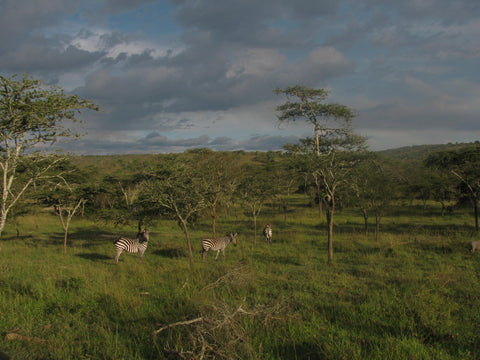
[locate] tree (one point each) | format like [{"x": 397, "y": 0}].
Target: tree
[
  {"x": 463, "y": 164},
  {"x": 372, "y": 188},
  {"x": 278, "y": 173},
  {"x": 219, "y": 172},
  {"x": 123, "y": 195},
  {"x": 307, "y": 105},
  {"x": 334, "y": 141},
  {"x": 177, "y": 190},
  {"x": 254, "y": 189},
  {"x": 30, "y": 114},
  {"x": 65, "y": 193}
]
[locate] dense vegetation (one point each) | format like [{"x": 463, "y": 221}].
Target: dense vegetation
[{"x": 409, "y": 289}]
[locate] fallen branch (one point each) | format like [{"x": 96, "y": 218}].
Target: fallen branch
[
  {"x": 14, "y": 336},
  {"x": 180, "y": 323},
  {"x": 220, "y": 332},
  {"x": 239, "y": 274}
]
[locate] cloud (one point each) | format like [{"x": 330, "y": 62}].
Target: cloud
[
  {"x": 18, "y": 20},
  {"x": 201, "y": 72}
]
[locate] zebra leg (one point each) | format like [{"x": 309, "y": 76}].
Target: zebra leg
[
  {"x": 204, "y": 253},
  {"x": 141, "y": 255},
  {"x": 117, "y": 255},
  {"x": 218, "y": 253}
]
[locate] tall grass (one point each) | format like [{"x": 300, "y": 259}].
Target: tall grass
[{"x": 414, "y": 294}]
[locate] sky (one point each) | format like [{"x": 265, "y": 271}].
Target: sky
[{"x": 174, "y": 75}]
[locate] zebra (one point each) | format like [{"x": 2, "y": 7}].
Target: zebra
[
  {"x": 218, "y": 244},
  {"x": 132, "y": 245},
  {"x": 267, "y": 232}
]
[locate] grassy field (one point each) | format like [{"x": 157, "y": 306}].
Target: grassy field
[{"x": 414, "y": 294}]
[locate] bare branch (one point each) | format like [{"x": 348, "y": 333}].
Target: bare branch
[{"x": 180, "y": 323}]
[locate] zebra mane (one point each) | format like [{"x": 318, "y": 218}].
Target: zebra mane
[{"x": 142, "y": 236}]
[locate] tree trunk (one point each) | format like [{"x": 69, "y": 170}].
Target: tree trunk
[
  {"x": 319, "y": 198},
  {"x": 377, "y": 228},
  {"x": 65, "y": 234},
  {"x": 3, "y": 218},
  {"x": 330, "y": 235},
  {"x": 475, "y": 210},
  {"x": 254, "y": 228},
  {"x": 365, "y": 221},
  {"x": 214, "y": 218},
  {"x": 330, "y": 213},
  {"x": 189, "y": 244}
]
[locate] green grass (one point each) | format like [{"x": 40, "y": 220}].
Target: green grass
[{"x": 414, "y": 294}]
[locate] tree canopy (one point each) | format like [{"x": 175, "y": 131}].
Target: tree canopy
[
  {"x": 30, "y": 114},
  {"x": 308, "y": 104}
]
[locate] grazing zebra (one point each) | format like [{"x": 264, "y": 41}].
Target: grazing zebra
[
  {"x": 218, "y": 244},
  {"x": 475, "y": 245},
  {"x": 267, "y": 232},
  {"x": 132, "y": 245}
]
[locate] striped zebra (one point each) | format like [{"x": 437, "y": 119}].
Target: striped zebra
[
  {"x": 267, "y": 232},
  {"x": 132, "y": 245},
  {"x": 218, "y": 244}
]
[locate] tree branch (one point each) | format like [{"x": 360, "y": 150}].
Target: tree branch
[{"x": 180, "y": 323}]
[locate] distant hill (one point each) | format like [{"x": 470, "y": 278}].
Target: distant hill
[
  {"x": 131, "y": 163},
  {"x": 420, "y": 152}
]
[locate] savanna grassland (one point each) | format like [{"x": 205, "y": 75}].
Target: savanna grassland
[{"x": 413, "y": 294}]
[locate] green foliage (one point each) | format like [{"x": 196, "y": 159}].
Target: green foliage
[
  {"x": 463, "y": 164},
  {"x": 331, "y": 121},
  {"x": 30, "y": 114}
]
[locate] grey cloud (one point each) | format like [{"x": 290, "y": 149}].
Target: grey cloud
[
  {"x": 162, "y": 141},
  {"x": 39, "y": 55},
  {"x": 158, "y": 143},
  {"x": 19, "y": 19},
  {"x": 265, "y": 142},
  {"x": 123, "y": 5},
  {"x": 233, "y": 53},
  {"x": 253, "y": 23}
]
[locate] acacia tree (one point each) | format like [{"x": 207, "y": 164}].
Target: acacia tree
[
  {"x": 30, "y": 114},
  {"x": 122, "y": 193},
  {"x": 307, "y": 104},
  {"x": 464, "y": 165},
  {"x": 219, "y": 172},
  {"x": 372, "y": 188},
  {"x": 67, "y": 199},
  {"x": 176, "y": 189},
  {"x": 333, "y": 142},
  {"x": 255, "y": 189}
]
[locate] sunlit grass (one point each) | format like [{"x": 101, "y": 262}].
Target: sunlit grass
[{"x": 413, "y": 294}]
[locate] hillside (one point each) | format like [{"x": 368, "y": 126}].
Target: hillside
[
  {"x": 110, "y": 163},
  {"x": 420, "y": 152}
]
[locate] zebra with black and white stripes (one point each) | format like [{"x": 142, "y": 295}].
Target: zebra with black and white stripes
[
  {"x": 267, "y": 232},
  {"x": 139, "y": 244},
  {"x": 218, "y": 244}
]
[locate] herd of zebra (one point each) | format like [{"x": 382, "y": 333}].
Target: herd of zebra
[{"x": 139, "y": 244}]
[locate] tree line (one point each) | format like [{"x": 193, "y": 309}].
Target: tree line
[{"x": 333, "y": 168}]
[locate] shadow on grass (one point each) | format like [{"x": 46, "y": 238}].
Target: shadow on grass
[
  {"x": 284, "y": 260},
  {"x": 172, "y": 252},
  {"x": 17, "y": 238},
  {"x": 94, "y": 256}
]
